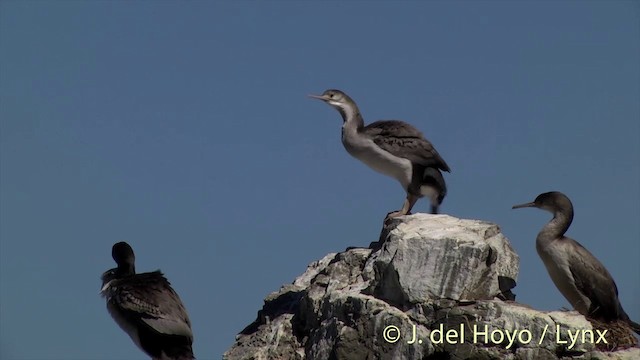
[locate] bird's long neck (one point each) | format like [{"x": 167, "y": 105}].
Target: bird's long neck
[
  {"x": 126, "y": 269},
  {"x": 556, "y": 227},
  {"x": 352, "y": 120}
]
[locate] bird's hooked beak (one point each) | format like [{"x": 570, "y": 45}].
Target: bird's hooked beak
[
  {"x": 105, "y": 287},
  {"x": 531, "y": 204},
  {"x": 320, "y": 97}
]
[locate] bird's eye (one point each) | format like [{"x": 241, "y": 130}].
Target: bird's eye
[{"x": 331, "y": 95}]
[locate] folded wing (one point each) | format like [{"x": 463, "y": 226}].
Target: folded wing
[
  {"x": 156, "y": 303},
  {"x": 405, "y": 141}
]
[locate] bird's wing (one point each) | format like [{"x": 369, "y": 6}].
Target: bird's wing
[
  {"x": 150, "y": 296},
  {"x": 593, "y": 280},
  {"x": 405, "y": 141}
]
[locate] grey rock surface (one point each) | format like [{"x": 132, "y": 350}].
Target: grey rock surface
[
  {"x": 434, "y": 287},
  {"x": 438, "y": 256}
]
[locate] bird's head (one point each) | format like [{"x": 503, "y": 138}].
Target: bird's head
[
  {"x": 107, "y": 278},
  {"x": 339, "y": 100},
  {"x": 553, "y": 201},
  {"x": 123, "y": 255}
]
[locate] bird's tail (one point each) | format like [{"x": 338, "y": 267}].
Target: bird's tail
[
  {"x": 433, "y": 178},
  {"x": 634, "y": 326},
  {"x": 625, "y": 317}
]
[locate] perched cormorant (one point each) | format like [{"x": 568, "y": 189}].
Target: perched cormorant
[
  {"x": 394, "y": 148},
  {"x": 579, "y": 276},
  {"x": 147, "y": 308}
]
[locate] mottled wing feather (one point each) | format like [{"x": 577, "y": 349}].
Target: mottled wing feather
[
  {"x": 151, "y": 296},
  {"x": 593, "y": 280},
  {"x": 405, "y": 141}
]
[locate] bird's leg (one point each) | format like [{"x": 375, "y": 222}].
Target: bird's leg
[
  {"x": 406, "y": 208},
  {"x": 408, "y": 203}
]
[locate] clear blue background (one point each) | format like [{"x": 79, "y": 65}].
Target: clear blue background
[{"x": 184, "y": 129}]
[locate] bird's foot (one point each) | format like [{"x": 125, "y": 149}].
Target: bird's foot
[{"x": 394, "y": 214}]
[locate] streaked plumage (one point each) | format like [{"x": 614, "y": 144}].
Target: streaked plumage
[
  {"x": 147, "y": 308},
  {"x": 394, "y": 148},
  {"x": 579, "y": 276},
  {"x": 405, "y": 141}
]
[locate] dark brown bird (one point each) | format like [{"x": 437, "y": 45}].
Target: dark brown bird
[
  {"x": 147, "y": 308},
  {"x": 579, "y": 276}
]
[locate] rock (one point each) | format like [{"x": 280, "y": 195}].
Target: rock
[
  {"x": 437, "y": 278},
  {"x": 439, "y": 256}
]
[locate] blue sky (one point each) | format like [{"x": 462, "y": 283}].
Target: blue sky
[{"x": 184, "y": 129}]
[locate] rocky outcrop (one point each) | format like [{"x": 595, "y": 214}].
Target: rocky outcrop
[{"x": 433, "y": 287}]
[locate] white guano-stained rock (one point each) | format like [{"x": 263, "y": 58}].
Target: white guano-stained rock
[
  {"x": 439, "y": 256},
  {"x": 430, "y": 275}
]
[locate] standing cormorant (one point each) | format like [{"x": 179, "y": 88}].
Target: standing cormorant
[
  {"x": 394, "y": 148},
  {"x": 147, "y": 308},
  {"x": 579, "y": 276}
]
